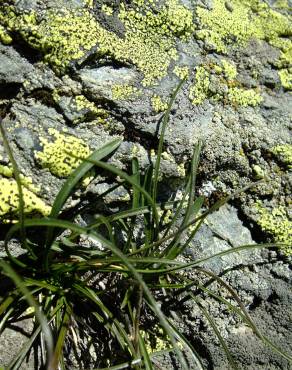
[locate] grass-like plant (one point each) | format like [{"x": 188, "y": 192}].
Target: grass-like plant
[{"x": 103, "y": 284}]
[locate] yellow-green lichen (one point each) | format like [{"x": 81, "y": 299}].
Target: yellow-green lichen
[
  {"x": 64, "y": 36},
  {"x": 107, "y": 9},
  {"x": 243, "y": 97},
  {"x": 158, "y": 104},
  {"x": 258, "y": 172},
  {"x": 150, "y": 37},
  {"x": 181, "y": 71},
  {"x": 199, "y": 91},
  {"x": 225, "y": 81},
  {"x": 5, "y": 38},
  {"x": 281, "y": 4},
  {"x": 181, "y": 170},
  {"x": 89, "y": 3},
  {"x": 229, "y": 69},
  {"x": 235, "y": 22},
  {"x": 286, "y": 78},
  {"x": 277, "y": 223},
  {"x": 284, "y": 153},
  {"x": 56, "y": 35},
  {"x": 9, "y": 200},
  {"x": 58, "y": 155},
  {"x": 155, "y": 340},
  {"x": 83, "y": 104},
  {"x": 7, "y": 171},
  {"x": 123, "y": 91}
]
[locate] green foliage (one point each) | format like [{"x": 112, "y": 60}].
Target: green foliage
[{"x": 76, "y": 281}]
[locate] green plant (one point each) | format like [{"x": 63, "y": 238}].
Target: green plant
[{"x": 71, "y": 290}]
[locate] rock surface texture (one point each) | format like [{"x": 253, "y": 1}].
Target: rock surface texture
[{"x": 76, "y": 73}]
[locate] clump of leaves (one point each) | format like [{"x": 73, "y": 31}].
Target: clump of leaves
[{"x": 105, "y": 293}]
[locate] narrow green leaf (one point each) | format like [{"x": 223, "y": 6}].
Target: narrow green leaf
[
  {"x": 216, "y": 331},
  {"x": 16, "y": 173},
  {"x": 17, "y": 360},
  {"x": 95, "y": 236},
  {"x": 174, "y": 249},
  {"x": 199, "y": 220},
  {"x": 130, "y": 180},
  {"x": 194, "y": 354},
  {"x": 39, "y": 315},
  {"x": 145, "y": 355},
  {"x": 79, "y": 172},
  {"x": 64, "y": 327},
  {"x": 72, "y": 181},
  {"x": 165, "y": 121}
]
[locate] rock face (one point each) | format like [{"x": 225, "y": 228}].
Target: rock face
[{"x": 74, "y": 74}]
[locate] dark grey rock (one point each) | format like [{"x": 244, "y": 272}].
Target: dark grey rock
[{"x": 13, "y": 68}]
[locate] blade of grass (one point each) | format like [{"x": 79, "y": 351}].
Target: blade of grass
[
  {"x": 21, "y": 204},
  {"x": 153, "y": 230},
  {"x": 165, "y": 121},
  {"x": 216, "y": 331},
  {"x": 154, "y": 305},
  {"x": 135, "y": 203},
  {"x": 39, "y": 315},
  {"x": 147, "y": 364},
  {"x": 201, "y": 218},
  {"x": 64, "y": 327},
  {"x": 131, "y": 364},
  {"x": 17, "y": 360},
  {"x": 72, "y": 181},
  {"x": 79, "y": 172},
  {"x": 108, "y": 320},
  {"x": 174, "y": 249},
  {"x": 130, "y": 180},
  {"x": 194, "y": 354}
]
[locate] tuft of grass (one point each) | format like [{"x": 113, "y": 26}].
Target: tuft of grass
[{"x": 102, "y": 284}]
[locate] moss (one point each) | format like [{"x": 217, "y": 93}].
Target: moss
[
  {"x": 56, "y": 154},
  {"x": 225, "y": 26},
  {"x": 286, "y": 78},
  {"x": 243, "y": 97},
  {"x": 199, "y": 91},
  {"x": 284, "y": 154},
  {"x": 9, "y": 200},
  {"x": 63, "y": 35},
  {"x": 123, "y": 91},
  {"x": 277, "y": 223},
  {"x": 158, "y": 104}
]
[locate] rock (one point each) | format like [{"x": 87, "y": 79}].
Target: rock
[
  {"x": 79, "y": 73},
  {"x": 222, "y": 231},
  {"x": 100, "y": 83},
  {"x": 13, "y": 68}
]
